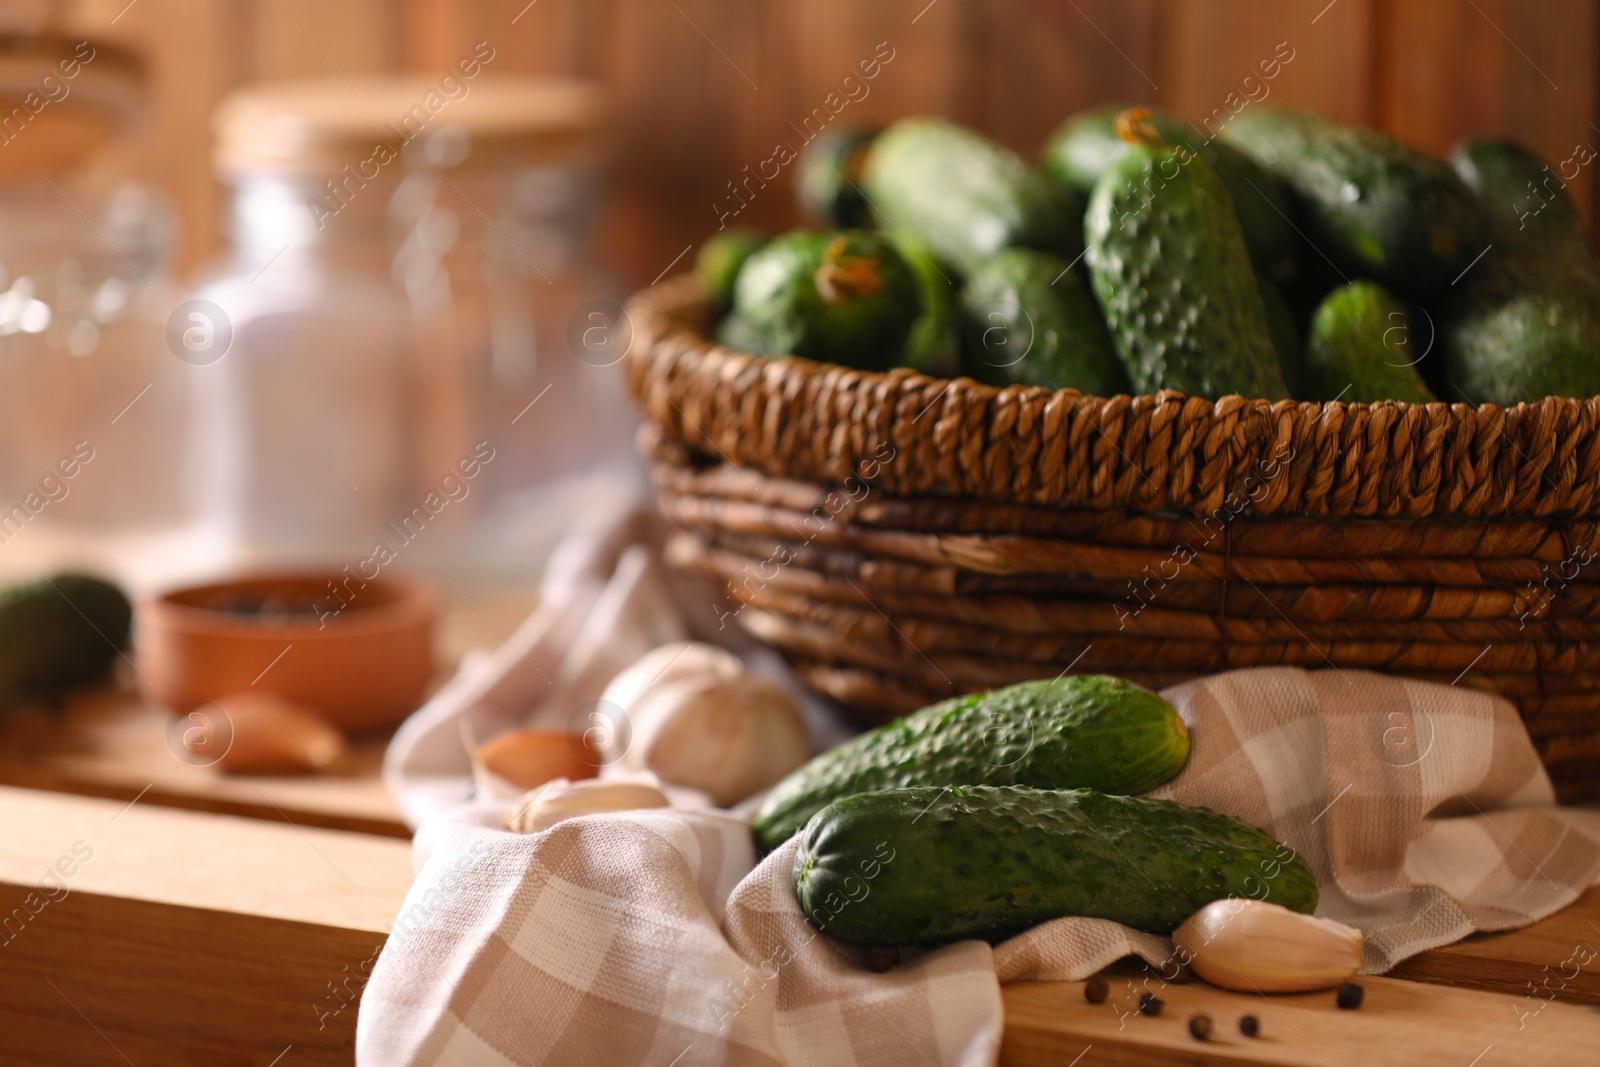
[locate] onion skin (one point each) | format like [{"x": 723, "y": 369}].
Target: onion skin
[{"x": 529, "y": 758}]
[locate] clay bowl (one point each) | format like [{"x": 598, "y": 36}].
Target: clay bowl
[{"x": 359, "y": 653}]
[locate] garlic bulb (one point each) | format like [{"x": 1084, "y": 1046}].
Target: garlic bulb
[
  {"x": 698, "y": 718},
  {"x": 556, "y": 801},
  {"x": 1252, "y": 946}
]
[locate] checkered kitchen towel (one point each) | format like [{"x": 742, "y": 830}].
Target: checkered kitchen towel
[{"x": 655, "y": 938}]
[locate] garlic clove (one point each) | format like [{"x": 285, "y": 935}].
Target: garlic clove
[
  {"x": 528, "y": 758},
  {"x": 263, "y": 733},
  {"x": 1254, "y": 946},
  {"x": 558, "y": 800}
]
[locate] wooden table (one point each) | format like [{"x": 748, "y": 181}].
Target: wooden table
[
  {"x": 182, "y": 937},
  {"x": 193, "y": 938},
  {"x": 223, "y": 921}
]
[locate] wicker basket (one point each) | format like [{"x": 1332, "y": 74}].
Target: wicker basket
[{"x": 902, "y": 538}]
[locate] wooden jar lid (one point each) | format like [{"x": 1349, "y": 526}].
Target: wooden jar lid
[
  {"x": 62, "y": 99},
  {"x": 323, "y": 125}
]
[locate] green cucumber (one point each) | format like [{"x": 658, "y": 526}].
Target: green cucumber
[
  {"x": 735, "y": 333},
  {"x": 1031, "y": 320},
  {"x": 1170, "y": 269},
  {"x": 1524, "y": 321},
  {"x": 966, "y": 197},
  {"x": 1379, "y": 208},
  {"x": 927, "y": 865},
  {"x": 718, "y": 262},
  {"x": 1082, "y": 730},
  {"x": 60, "y": 632},
  {"x": 1360, "y": 349},
  {"x": 1084, "y": 147},
  {"x": 846, "y": 297},
  {"x": 828, "y": 180},
  {"x": 1524, "y": 201},
  {"x": 933, "y": 346}
]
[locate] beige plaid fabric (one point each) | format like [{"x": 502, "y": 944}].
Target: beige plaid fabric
[{"x": 653, "y": 938}]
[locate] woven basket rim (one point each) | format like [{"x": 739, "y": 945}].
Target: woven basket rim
[{"x": 1167, "y": 452}]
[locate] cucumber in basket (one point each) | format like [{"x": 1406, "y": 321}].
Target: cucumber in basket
[
  {"x": 846, "y": 297},
  {"x": 1169, "y": 264},
  {"x": 1082, "y": 731},
  {"x": 920, "y": 866},
  {"x": 1378, "y": 207},
  {"x": 1086, "y": 146},
  {"x": 1030, "y": 319},
  {"x": 1359, "y": 349},
  {"x": 1525, "y": 322},
  {"x": 966, "y": 197}
]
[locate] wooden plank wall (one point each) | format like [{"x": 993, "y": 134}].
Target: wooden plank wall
[{"x": 705, "y": 87}]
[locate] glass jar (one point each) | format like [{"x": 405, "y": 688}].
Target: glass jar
[
  {"x": 85, "y": 373},
  {"x": 385, "y": 369},
  {"x": 91, "y": 405},
  {"x": 492, "y": 226},
  {"x": 300, "y": 353},
  {"x": 299, "y": 339}
]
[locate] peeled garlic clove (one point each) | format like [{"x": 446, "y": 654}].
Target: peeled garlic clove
[
  {"x": 560, "y": 799},
  {"x": 262, "y": 733},
  {"x": 1253, "y": 946},
  {"x": 528, "y": 758}
]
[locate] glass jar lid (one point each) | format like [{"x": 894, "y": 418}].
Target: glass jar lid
[
  {"x": 62, "y": 99},
  {"x": 324, "y": 125}
]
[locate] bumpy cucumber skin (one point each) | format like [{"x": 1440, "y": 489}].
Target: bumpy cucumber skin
[
  {"x": 60, "y": 632},
  {"x": 1360, "y": 349},
  {"x": 921, "y": 866},
  {"x": 719, "y": 259},
  {"x": 1169, "y": 266},
  {"x": 781, "y": 309},
  {"x": 1522, "y": 197},
  {"x": 1029, "y": 320},
  {"x": 965, "y": 197},
  {"x": 828, "y": 182},
  {"x": 1378, "y": 207},
  {"x": 1084, "y": 147},
  {"x": 933, "y": 346},
  {"x": 1523, "y": 323},
  {"x": 1080, "y": 731},
  {"x": 1524, "y": 330}
]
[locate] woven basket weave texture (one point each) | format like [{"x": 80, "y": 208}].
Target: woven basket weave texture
[{"x": 902, "y": 538}]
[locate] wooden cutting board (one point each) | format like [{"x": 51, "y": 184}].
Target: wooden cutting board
[
  {"x": 1399, "y": 1022},
  {"x": 107, "y": 743}
]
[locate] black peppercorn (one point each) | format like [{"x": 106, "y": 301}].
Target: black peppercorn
[
  {"x": 1249, "y": 1025},
  {"x": 1349, "y": 996},
  {"x": 1200, "y": 1027},
  {"x": 1150, "y": 1004},
  {"x": 1095, "y": 991}
]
